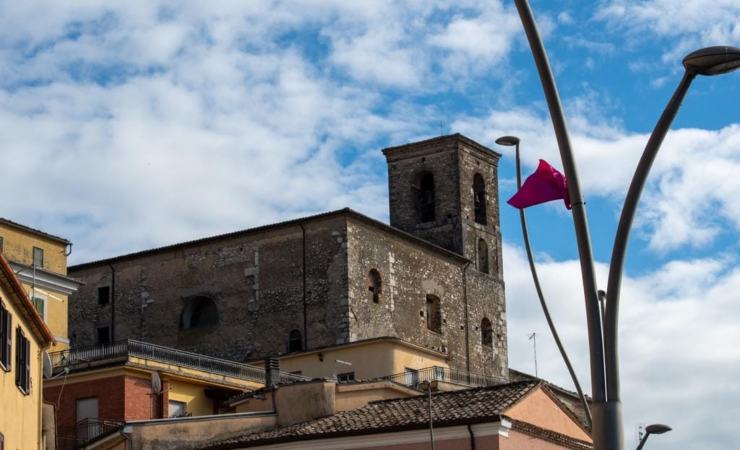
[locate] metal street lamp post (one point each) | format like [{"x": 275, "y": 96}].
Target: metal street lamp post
[
  {"x": 653, "y": 429},
  {"x": 607, "y": 407}
]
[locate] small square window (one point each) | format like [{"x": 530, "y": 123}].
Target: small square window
[
  {"x": 38, "y": 257},
  {"x": 346, "y": 376},
  {"x": 103, "y": 295},
  {"x": 177, "y": 409}
]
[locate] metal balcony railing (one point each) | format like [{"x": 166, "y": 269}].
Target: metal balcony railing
[
  {"x": 414, "y": 378},
  {"x": 84, "y": 431},
  {"x": 85, "y": 356}
]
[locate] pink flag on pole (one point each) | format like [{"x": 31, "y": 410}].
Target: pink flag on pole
[{"x": 544, "y": 185}]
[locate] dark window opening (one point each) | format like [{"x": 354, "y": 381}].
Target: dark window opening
[
  {"x": 425, "y": 201},
  {"x": 103, "y": 295},
  {"x": 103, "y": 335},
  {"x": 486, "y": 332},
  {"x": 479, "y": 199},
  {"x": 482, "y": 256},
  {"x": 434, "y": 314},
  {"x": 376, "y": 284},
  {"x": 6, "y": 337},
  {"x": 346, "y": 376},
  {"x": 22, "y": 362},
  {"x": 295, "y": 341},
  {"x": 38, "y": 257},
  {"x": 199, "y": 312},
  {"x": 1, "y": 244}
]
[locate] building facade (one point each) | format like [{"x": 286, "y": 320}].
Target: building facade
[
  {"x": 39, "y": 260},
  {"x": 432, "y": 278},
  {"x": 23, "y": 339}
]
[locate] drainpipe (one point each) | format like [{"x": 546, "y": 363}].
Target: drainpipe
[
  {"x": 112, "y": 303},
  {"x": 303, "y": 277},
  {"x": 472, "y": 437},
  {"x": 467, "y": 318}
]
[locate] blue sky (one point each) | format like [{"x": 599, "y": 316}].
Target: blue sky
[{"x": 129, "y": 126}]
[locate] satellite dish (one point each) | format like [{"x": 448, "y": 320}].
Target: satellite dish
[
  {"x": 47, "y": 365},
  {"x": 156, "y": 383}
]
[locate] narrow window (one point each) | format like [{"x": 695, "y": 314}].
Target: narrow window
[
  {"x": 38, "y": 257},
  {"x": 40, "y": 304},
  {"x": 479, "y": 199},
  {"x": 86, "y": 410},
  {"x": 346, "y": 376},
  {"x": 22, "y": 361},
  {"x": 1, "y": 244},
  {"x": 486, "y": 332},
  {"x": 434, "y": 314},
  {"x": 412, "y": 377},
  {"x": 6, "y": 338},
  {"x": 425, "y": 201},
  {"x": 199, "y": 312},
  {"x": 376, "y": 284},
  {"x": 103, "y": 295},
  {"x": 482, "y": 256},
  {"x": 103, "y": 335},
  {"x": 295, "y": 341}
]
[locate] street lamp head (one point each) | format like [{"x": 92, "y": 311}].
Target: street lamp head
[
  {"x": 713, "y": 60},
  {"x": 507, "y": 140},
  {"x": 657, "y": 428}
]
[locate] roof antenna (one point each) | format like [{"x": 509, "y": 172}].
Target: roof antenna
[{"x": 533, "y": 338}]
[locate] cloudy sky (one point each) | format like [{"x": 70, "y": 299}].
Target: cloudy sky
[{"x": 131, "y": 126}]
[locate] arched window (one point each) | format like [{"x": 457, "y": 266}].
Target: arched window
[
  {"x": 375, "y": 284},
  {"x": 434, "y": 313},
  {"x": 479, "y": 199},
  {"x": 295, "y": 341},
  {"x": 199, "y": 311},
  {"x": 486, "y": 332},
  {"x": 425, "y": 201},
  {"x": 482, "y": 256}
]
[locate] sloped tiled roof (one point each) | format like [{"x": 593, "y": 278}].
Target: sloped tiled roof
[{"x": 448, "y": 408}]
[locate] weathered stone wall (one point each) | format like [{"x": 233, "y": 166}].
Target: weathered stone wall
[
  {"x": 255, "y": 279},
  {"x": 405, "y": 164}
]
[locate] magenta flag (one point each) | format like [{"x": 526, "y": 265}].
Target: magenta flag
[{"x": 544, "y": 185}]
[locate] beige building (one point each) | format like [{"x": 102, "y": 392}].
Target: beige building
[
  {"x": 39, "y": 260},
  {"x": 23, "y": 339}
]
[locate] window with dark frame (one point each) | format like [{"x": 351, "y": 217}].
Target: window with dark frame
[
  {"x": 376, "y": 284},
  {"x": 295, "y": 341},
  {"x": 434, "y": 313},
  {"x": 486, "y": 332},
  {"x": 479, "y": 199},
  {"x": 22, "y": 361},
  {"x": 103, "y": 335},
  {"x": 346, "y": 376},
  {"x": 38, "y": 257},
  {"x": 483, "y": 256},
  {"x": 103, "y": 295},
  {"x": 6, "y": 337},
  {"x": 425, "y": 197}
]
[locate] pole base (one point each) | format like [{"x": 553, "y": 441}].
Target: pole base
[{"x": 607, "y": 425}]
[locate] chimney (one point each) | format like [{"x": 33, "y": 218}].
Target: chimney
[{"x": 272, "y": 372}]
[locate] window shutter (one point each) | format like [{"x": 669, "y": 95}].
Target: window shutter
[
  {"x": 18, "y": 365},
  {"x": 27, "y": 357},
  {"x": 8, "y": 337}
]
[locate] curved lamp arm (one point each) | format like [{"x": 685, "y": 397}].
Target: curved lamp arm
[
  {"x": 621, "y": 239},
  {"x": 545, "y": 309}
]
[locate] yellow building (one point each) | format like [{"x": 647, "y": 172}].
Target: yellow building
[
  {"x": 24, "y": 337},
  {"x": 39, "y": 260}
]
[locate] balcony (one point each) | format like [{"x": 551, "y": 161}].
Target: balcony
[
  {"x": 79, "y": 358},
  {"x": 451, "y": 377}
]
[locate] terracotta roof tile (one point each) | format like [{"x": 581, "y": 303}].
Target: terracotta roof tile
[{"x": 448, "y": 408}]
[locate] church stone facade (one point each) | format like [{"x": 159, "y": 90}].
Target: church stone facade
[{"x": 433, "y": 277}]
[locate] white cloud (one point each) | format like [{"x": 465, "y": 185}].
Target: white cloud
[
  {"x": 684, "y": 204},
  {"x": 689, "y": 24},
  {"x": 678, "y": 329}
]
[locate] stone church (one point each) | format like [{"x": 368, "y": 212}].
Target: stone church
[{"x": 433, "y": 277}]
